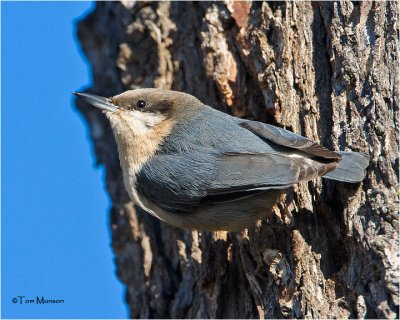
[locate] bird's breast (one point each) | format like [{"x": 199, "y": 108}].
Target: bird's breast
[{"x": 136, "y": 148}]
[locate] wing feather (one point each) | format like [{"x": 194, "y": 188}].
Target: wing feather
[
  {"x": 289, "y": 139},
  {"x": 181, "y": 182}
]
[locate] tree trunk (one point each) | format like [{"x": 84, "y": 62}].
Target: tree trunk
[{"x": 328, "y": 71}]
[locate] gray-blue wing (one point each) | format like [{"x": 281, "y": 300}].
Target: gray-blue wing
[
  {"x": 181, "y": 182},
  {"x": 288, "y": 139}
]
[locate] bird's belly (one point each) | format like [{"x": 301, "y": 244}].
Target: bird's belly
[{"x": 230, "y": 216}]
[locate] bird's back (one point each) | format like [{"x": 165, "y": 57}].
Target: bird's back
[{"x": 214, "y": 130}]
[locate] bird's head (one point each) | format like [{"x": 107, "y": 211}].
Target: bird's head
[{"x": 142, "y": 110}]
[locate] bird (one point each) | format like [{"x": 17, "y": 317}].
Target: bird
[{"x": 195, "y": 167}]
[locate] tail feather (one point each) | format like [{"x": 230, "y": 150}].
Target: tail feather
[{"x": 351, "y": 168}]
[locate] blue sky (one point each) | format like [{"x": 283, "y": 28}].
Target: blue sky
[{"x": 54, "y": 234}]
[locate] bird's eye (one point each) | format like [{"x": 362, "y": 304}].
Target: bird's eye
[{"x": 141, "y": 104}]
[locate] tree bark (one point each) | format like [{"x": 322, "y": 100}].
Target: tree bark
[{"x": 328, "y": 71}]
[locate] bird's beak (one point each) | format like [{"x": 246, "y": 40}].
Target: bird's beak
[{"x": 96, "y": 101}]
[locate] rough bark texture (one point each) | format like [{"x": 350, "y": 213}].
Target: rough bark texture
[{"x": 328, "y": 71}]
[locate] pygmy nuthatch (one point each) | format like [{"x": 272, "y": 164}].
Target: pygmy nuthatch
[{"x": 197, "y": 168}]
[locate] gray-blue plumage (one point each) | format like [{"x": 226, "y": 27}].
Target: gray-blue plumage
[{"x": 197, "y": 165}]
